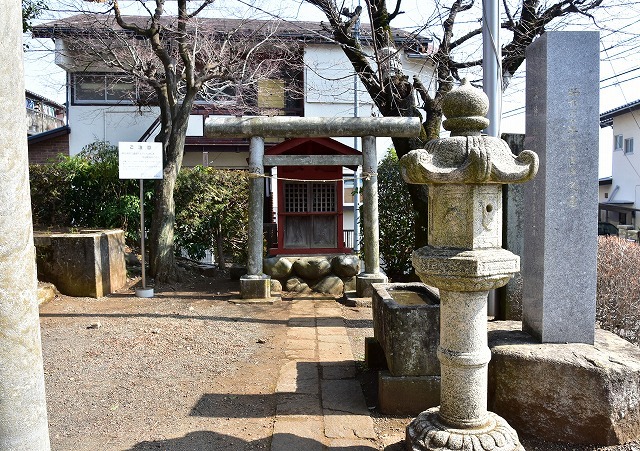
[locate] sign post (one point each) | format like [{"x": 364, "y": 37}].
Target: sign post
[{"x": 140, "y": 161}]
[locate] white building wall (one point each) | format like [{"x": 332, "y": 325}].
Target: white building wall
[
  {"x": 626, "y": 167},
  {"x": 90, "y": 123},
  {"x": 329, "y": 84}
]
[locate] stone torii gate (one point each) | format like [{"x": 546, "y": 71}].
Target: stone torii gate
[{"x": 255, "y": 284}]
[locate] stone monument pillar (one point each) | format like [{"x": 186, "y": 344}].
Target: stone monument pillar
[
  {"x": 464, "y": 259},
  {"x": 23, "y": 409},
  {"x": 561, "y": 238}
]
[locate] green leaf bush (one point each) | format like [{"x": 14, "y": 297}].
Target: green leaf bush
[
  {"x": 84, "y": 191},
  {"x": 212, "y": 208},
  {"x": 396, "y": 220}
]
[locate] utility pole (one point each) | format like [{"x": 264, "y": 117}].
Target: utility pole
[
  {"x": 491, "y": 64},
  {"x": 491, "y": 77},
  {"x": 356, "y": 175}
]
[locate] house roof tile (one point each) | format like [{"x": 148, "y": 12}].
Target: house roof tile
[
  {"x": 305, "y": 31},
  {"x": 606, "y": 118}
]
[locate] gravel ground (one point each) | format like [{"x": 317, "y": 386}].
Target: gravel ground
[{"x": 186, "y": 370}]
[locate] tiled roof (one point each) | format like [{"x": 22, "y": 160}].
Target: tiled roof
[
  {"x": 606, "y": 118},
  {"x": 306, "y": 31}
]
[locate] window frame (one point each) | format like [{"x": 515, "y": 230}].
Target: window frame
[
  {"x": 618, "y": 142},
  {"x": 628, "y": 146}
]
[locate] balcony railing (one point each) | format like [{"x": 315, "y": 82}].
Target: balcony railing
[{"x": 38, "y": 122}]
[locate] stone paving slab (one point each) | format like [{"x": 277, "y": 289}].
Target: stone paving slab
[
  {"x": 337, "y": 370},
  {"x": 334, "y": 352},
  {"x": 298, "y": 377},
  {"x": 348, "y": 426},
  {"x": 320, "y": 403},
  {"x": 298, "y": 404},
  {"x": 301, "y": 432},
  {"x": 300, "y": 344},
  {"x": 338, "y": 397},
  {"x": 302, "y": 333}
]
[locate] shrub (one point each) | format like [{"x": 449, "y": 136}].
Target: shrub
[
  {"x": 618, "y": 292},
  {"x": 85, "y": 191},
  {"x": 212, "y": 213},
  {"x": 396, "y": 219}
]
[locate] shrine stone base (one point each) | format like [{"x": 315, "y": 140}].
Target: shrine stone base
[
  {"x": 575, "y": 392},
  {"x": 255, "y": 287},
  {"x": 365, "y": 280},
  {"x": 83, "y": 263}
]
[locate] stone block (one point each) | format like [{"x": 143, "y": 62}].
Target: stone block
[
  {"x": 510, "y": 296},
  {"x": 349, "y": 283},
  {"x": 560, "y": 237},
  {"x": 255, "y": 287},
  {"x": 312, "y": 268},
  {"x": 87, "y": 263},
  {"x": 46, "y": 292},
  {"x": 276, "y": 286},
  {"x": 406, "y": 323},
  {"x": 297, "y": 285},
  {"x": 345, "y": 265},
  {"x": 364, "y": 282},
  {"x": 407, "y": 395},
  {"x": 576, "y": 393}
]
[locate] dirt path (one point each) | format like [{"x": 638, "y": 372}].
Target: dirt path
[
  {"x": 181, "y": 371},
  {"x": 186, "y": 370}
]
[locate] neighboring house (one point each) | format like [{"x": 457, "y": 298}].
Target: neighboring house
[
  {"x": 102, "y": 105},
  {"x": 42, "y": 114},
  {"x": 48, "y": 135},
  {"x": 620, "y": 196}
]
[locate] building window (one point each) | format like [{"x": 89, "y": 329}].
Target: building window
[
  {"x": 617, "y": 142},
  {"x": 628, "y": 146},
  {"x": 622, "y": 218},
  {"x": 104, "y": 88}
]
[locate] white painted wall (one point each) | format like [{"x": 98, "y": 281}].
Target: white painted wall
[
  {"x": 329, "y": 83},
  {"x": 90, "y": 123},
  {"x": 626, "y": 168},
  {"x": 329, "y": 93}
]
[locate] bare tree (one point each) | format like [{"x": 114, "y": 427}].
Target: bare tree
[
  {"x": 174, "y": 60},
  {"x": 396, "y": 95}
]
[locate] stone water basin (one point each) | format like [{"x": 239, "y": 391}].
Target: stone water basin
[{"x": 406, "y": 323}]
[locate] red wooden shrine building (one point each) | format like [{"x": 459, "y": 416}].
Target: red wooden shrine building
[{"x": 310, "y": 194}]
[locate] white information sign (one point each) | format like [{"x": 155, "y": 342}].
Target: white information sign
[{"x": 140, "y": 160}]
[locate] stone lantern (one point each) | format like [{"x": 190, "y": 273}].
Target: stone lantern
[{"x": 464, "y": 259}]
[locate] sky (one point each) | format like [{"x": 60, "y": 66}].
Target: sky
[{"x": 619, "y": 28}]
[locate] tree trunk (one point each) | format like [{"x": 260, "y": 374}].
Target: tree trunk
[
  {"x": 162, "y": 262},
  {"x": 220, "y": 249}
]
